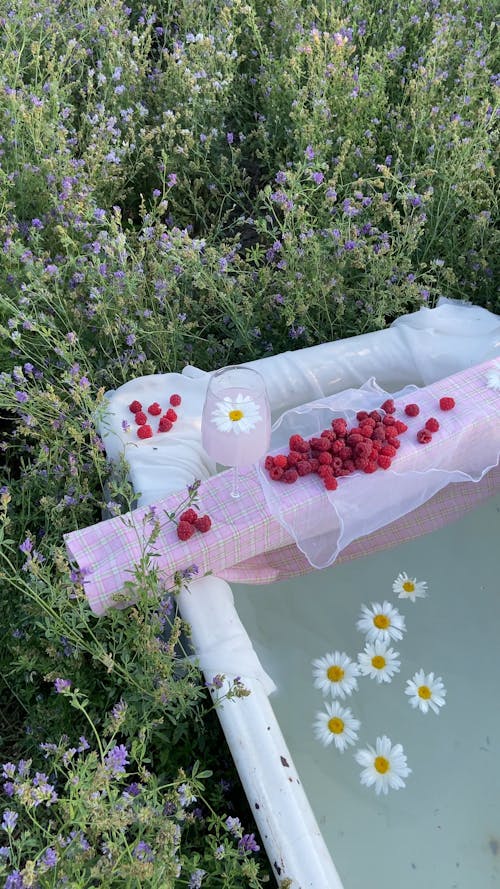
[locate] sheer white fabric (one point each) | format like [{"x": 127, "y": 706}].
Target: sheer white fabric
[{"x": 323, "y": 523}]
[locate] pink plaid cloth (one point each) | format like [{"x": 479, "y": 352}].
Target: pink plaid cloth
[{"x": 247, "y": 544}]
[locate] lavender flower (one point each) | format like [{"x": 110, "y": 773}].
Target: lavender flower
[
  {"x": 247, "y": 843},
  {"x": 9, "y": 820},
  {"x": 61, "y": 685},
  {"x": 196, "y": 878},
  {"x": 116, "y": 760}
]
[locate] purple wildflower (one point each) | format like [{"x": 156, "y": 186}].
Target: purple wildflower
[
  {"x": 61, "y": 685},
  {"x": 317, "y": 177},
  {"x": 49, "y": 858},
  {"x": 172, "y": 180},
  {"x": 22, "y": 397},
  {"x": 116, "y": 760},
  {"x": 14, "y": 881},
  {"x": 26, "y": 546},
  {"x": 196, "y": 878},
  {"x": 9, "y": 820},
  {"x": 248, "y": 843},
  {"x": 309, "y": 153},
  {"x": 143, "y": 851}
]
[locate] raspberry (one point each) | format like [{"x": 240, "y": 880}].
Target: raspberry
[
  {"x": 389, "y": 421},
  {"x": 154, "y": 409},
  {"x": 293, "y": 458},
  {"x": 144, "y": 431},
  {"x": 323, "y": 471},
  {"x": 388, "y": 406},
  {"x": 379, "y": 434},
  {"x": 432, "y": 424},
  {"x": 276, "y": 473},
  {"x": 424, "y": 436},
  {"x": 269, "y": 463},
  {"x": 376, "y": 416},
  {"x": 319, "y": 444},
  {"x": 388, "y": 450},
  {"x": 401, "y": 427},
  {"x": 203, "y": 523},
  {"x": 330, "y": 483},
  {"x": 185, "y": 530},
  {"x": 297, "y": 443},
  {"x": 304, "y": 467},
  {"x": 329, "y": 434},
  {"x": 354, "y": 438},
  {"x": 337, "y": 446},
  {"x": 412, "y": 410},
  {"x": 325, "y": 458},
  {"x": 395, "y": 442},
  {"x": 337, "y": 464},
  {"x": 362, "y": 415},
  {"x": 371, "y": 467},
  {"x": 366, "y": 430},
  {"x": 290, "y": 476},
  {"x": 140, "y": 418},
  {"x": 345, "y": 453},
  {"x": 281, "y": 461},
  {"x": 376, "y": 445},
  {"x": 189, "y": 515},
  {"x": 171, "y": 415},
  {"x": 339, "y": 426},
  {"x": 361, "y": 462},
  {"x": 391, "y": 431},
  {"x": 345, "y": 471},
  {"x": 135, "y": 406},
  {"x": 164, "y": 425},
  {"x": 383, "y": 461},
  {"x": 363, "y": 449},
  {"x": 446, "y": 404},
  {"x": 175, "y": 400},
  {"x": 314, "y": 465}
]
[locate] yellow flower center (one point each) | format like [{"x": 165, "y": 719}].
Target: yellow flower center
[
  {"x": 379, "y": 662},
  {"x": 424, "y": 692},
  {"x": 235, "y": 415},
  {"x": 409, "y": 586},
  {"x": 336, "y": 725},
  {"x": 381, "y": 621},
  {"x": 381, "y": 764},
  {"x": 335, "y": 673}
]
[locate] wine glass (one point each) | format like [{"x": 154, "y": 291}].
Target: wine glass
[{"x": 236, "y": 419}]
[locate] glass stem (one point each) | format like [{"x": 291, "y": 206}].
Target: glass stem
[{"x": 235, "y": 489}]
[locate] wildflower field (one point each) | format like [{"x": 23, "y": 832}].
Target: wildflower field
[{"x": 204, "y": 183}]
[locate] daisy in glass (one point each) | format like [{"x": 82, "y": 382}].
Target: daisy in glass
[
  {"x": 385, "y": 766},
  {"x": 378, "y": 661},
  {"x": 337, "y": 726},
  {"x": 493, "y": 377},
  {"x": 406, "y": 588},
  {"x": 335, "y": 674},
  {"x": 381, "y": 622},
  {"x": 238, "y": 414},
  {"x": 426, "y": 691}
]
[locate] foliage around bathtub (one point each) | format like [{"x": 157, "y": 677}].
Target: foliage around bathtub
[{"x": 192, "y": 183}]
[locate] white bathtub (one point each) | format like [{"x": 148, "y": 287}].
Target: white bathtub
[{"x": 276, "y": 755}]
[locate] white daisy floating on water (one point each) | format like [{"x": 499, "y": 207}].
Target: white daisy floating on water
[
  {"x": 378, "y": 661},
  {"x": 385, "y": 766},
  {"x": 381, "y": 622},
  {"x": 493, "y": 376},
  {"x": 425, "y": 691},
  {"x": 335, "y": 674},
  {"x": 406, "y": 588},
  {"x": 239, "y": 414},
  {"x": 337, "y": 726}
]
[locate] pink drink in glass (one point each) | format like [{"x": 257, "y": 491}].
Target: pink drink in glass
[{"x": 236, "y": 421}]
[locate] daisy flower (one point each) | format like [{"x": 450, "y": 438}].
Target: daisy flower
[
  {"x": 378, "y": 661},
  {"x": 382, "y": 622},
  {"x": 337, "y": 725},
  {"x": 335, "y": 673},
  {"x": 239, "y": 414},
  {"x": 424, "y": 691},
  {"x": 493, "y": 377},
  {"x": 408, "y": 588},
  {"x": 385, "y": 766}
]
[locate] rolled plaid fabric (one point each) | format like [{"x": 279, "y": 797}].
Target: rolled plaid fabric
[{"x": 255, "y": 538}]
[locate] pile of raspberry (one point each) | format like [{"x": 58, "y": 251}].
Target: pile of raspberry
[
  {"x": 190, "y": 521},
  {"x": 339, "y": 451},
  {"x": 167, "y": 419}
]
